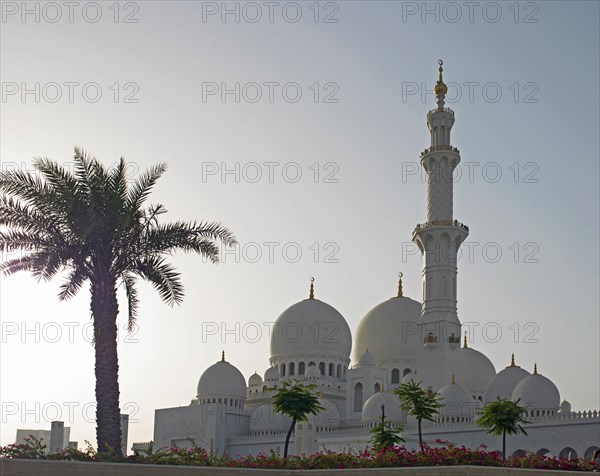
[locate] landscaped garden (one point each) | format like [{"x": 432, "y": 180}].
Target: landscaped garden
[{"x": 396, "y": 456}]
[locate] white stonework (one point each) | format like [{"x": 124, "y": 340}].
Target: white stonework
[{"x": 399, "y": 340}]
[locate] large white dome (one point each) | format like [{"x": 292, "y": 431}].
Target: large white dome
[
  {"x": 371, "y": 411},
  {"x": 311, "y": 327},
  {"x": 537, "y": 392},
  {"x": 504, "y": 383},
  {"x": 389, "y": 330},
  {"x": 222, "y": 380},
  {"x": 475, "y": 370}
]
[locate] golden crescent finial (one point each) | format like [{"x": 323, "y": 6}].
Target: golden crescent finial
[
  {"x": 311, "y": 295},
  {"x": 535, "y": 369},
  {"x": 400, "y": 274},
  {"x": 512, "y": 361},
  {"x": 223, "y": 356},
  {"x": 465, "y": 340},
  {"x": 453, "y": 380},
  {"x": 440, "y": 88}
]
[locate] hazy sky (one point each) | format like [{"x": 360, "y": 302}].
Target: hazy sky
[{"x": 299, "y": 126}]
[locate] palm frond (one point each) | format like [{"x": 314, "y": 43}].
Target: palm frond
[
  {"x": 132, "y": 300},
  {"x": 142, "y": 187},
  {"x": 16, "y": 240},
  {"x": 163, "y": 277},
  {"x": 72, "y": 284},
  {"x": 15, "y": 213}
]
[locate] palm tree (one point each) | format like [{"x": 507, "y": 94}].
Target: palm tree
[
  {"x": 503, "y": 417},
  {"x": 90, "y": 223},
  {"x": 417, "y": 402},
  {"x": 384, "y": 435},
  {"x": 297, "y": 401}
]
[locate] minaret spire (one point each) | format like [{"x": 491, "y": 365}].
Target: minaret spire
[
  {"x": 400, "y": 284},
  {"x": 440, "y": 89}
]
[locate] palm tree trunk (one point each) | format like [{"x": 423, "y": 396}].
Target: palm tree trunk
[
  {"x": 504, "y": 444},
  {"x": 420, "y": 434},
  {"x": 104, "y": 308},
  {"x": 287, "y": 440}
]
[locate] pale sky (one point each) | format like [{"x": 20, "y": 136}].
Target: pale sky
[{"x": 299, "y": 126}]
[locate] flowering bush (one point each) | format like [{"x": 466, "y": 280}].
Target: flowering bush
[{"x": 395, "y": 456}]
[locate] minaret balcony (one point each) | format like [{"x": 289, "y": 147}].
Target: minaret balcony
[
  {"x": 430, "y": 340},
  {"x": 429, "y": 224},
  {"x": 439, "y": 147},
  {"x": 443, "y": 109}
]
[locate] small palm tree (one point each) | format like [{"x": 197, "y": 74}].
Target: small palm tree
[
  {"x": 297, "y": 401},
  {"x": 90, "y": 224},
  {"x": 384, "y": 435},
  {"x": 503, "y": 417},
  {"x": 417, "y": 402}
]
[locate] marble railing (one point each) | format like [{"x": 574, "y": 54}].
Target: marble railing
[
  {"x": 433, "y": 148},
  {"x": 444, "y": 109},
  {"x": 442, "y": 223}
]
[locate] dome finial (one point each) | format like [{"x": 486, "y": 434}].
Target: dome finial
[
  {"x": 440, "y": 88},
  {"x": 311, "y": 295},
  {"x": 535, "y": 369},
  {"x": 465, "y": 341},
  {"x": 453, "y": 380},
  {"x": 400, "y": 274},
  {"x": 223, "y": 356},
  {"x": 512, "y": 361}
]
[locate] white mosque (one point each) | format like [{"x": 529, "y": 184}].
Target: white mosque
[{"x": 398, "y": 340}]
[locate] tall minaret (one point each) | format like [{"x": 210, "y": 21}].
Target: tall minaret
[{"x": 441, "y": 236}]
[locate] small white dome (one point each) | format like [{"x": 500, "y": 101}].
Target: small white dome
[
  {"x": 271, "y": 375},
  {"x": 312, "y": 372},
  {"x": 371, "y": 411},
  {"x": 457, "y": 401},
  {"x": 311, "y": 327},
  {"x": 366, "y": 360},
  {"x": 565, "y": 407},
  {"x": 222, "y": 380},
  {"x": 255, "y": 380},
  {"x": 475, "y": 370},
  {"x": 390, "y": 329},
  {"x": 265, "y": 418},
  {"x": 537, "y": 392},
  {"x": 504, "y": 383}
]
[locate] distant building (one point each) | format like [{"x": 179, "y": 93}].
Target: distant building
[
  {"x": 56, "y": 439},
  {"x": 124, "y": 433}
]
